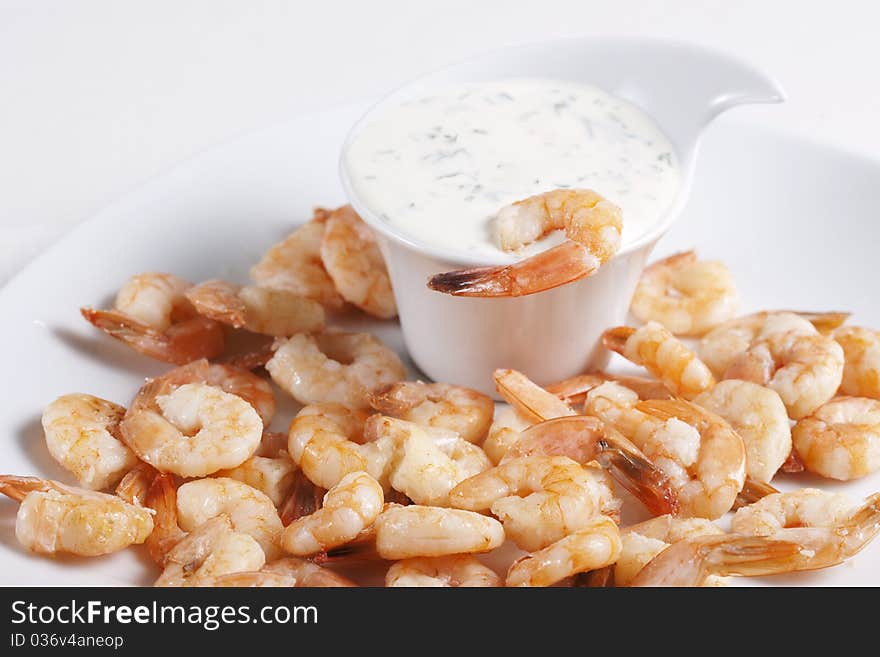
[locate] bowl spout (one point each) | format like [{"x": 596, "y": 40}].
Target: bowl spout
[{"x": 686, "y": 86}]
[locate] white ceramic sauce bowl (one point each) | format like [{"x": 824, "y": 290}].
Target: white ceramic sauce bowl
[{"x": 554, "y": 334}]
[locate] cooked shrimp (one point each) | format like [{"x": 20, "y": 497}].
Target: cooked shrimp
[
  {"x": 504, "y": 432},
  {"x": 458, "y": 570},
  {"x": 82, "y": 434},
  {"x": 805, "y": 369},
  {"x": 307, "y": 574},
  {"x": 403, "y": 532},
  {"x": 717, "y": 472},
  {"x": 593, "y": 546},
  {"x": 465, "y": 411},
  {"x": 234, "y": 380},
  {"x": 585, "y": 439},
  {"x": 192, "y": 429},
  {"x": 699, "y": 452},
  {"x": 271, "y": 476},
  {"x": 591, "y": 224},
  {"x": 825, "y": 526},
  {"x": 352, "y": 258},
  {"x": 257, "y": 309},
  {"x": 428, "y": 462},
  {"x": 841, "y": 439},
  {"x": 211, "y": 550},
  {"x": 725, "y": 342},
  {"x": 752, "y": 491},
  {"x": 295, "y": 265},
  {"x": 574, "y": 390},
  {"x": 663, "y": 355},
  {"x": 758, "y": 415},
  {"x": 629, "y": 466},
  {"x": 249, "y": 510},
  {"x": 539, "y": 499},
  {"x": 324, "y": 442},
  {"x": 861, "y": 352},
  {"x": 782, "y": 351},
  {"x": 334, "y": 367},
  {"x": 153, "y": 316},
  {"x": 645, "y": 540},
  {"x": 686, "y": 295},
  {"x": 348, "y": 508},
  {"x": 54, "y": 518}
]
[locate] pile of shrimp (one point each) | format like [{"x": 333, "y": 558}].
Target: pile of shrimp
[{"x": 665, "y": 478}]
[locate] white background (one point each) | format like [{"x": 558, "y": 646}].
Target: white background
[{"x": 97, "y": 96}]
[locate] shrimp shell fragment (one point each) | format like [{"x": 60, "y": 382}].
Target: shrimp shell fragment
[
  {"x": 334, "y": 367},
  {"x": 403, "y": 532},
  {"x": 82, "y": 434},
  {"x": 352, "y": 259},
  {"x": 841, "y": 439},
  {"x": 686, "y": 295}
]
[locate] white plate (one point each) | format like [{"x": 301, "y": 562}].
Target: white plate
[{"x": 797, "y": 223}]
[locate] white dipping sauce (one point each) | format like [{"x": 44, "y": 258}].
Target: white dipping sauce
[{"x": 440, "y": 167}]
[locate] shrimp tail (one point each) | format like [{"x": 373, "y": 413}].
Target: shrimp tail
[
  {"x": 596, "y": 579},
  {"x": 615, "y": 338},
  {"x": 666, "y": 409},
  {"x": 162, "y": 498},
  {"x": 253, "y": 359},
  {"x": 218, "y": 300},
  {"x": 17, "y": 488},
  {"x": 862, "y": 526},
  {"x": 529, "y": 399},
  {"x": 181, "y": 343},
  {"x": 354, "y": 553},
  {"x": 825, "y": 322},
  {"x": 477, "y": 282},
  {"x": 639, "y": 476},
  {"x": 752, "y": 491},
  {"x": 304, "y": 499},
  {"x": 793, "y": 463},
  {"x": 557, "y": 266},
  {"x": 751, "y": 556},
  {"x": 690, "y": 562}
]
